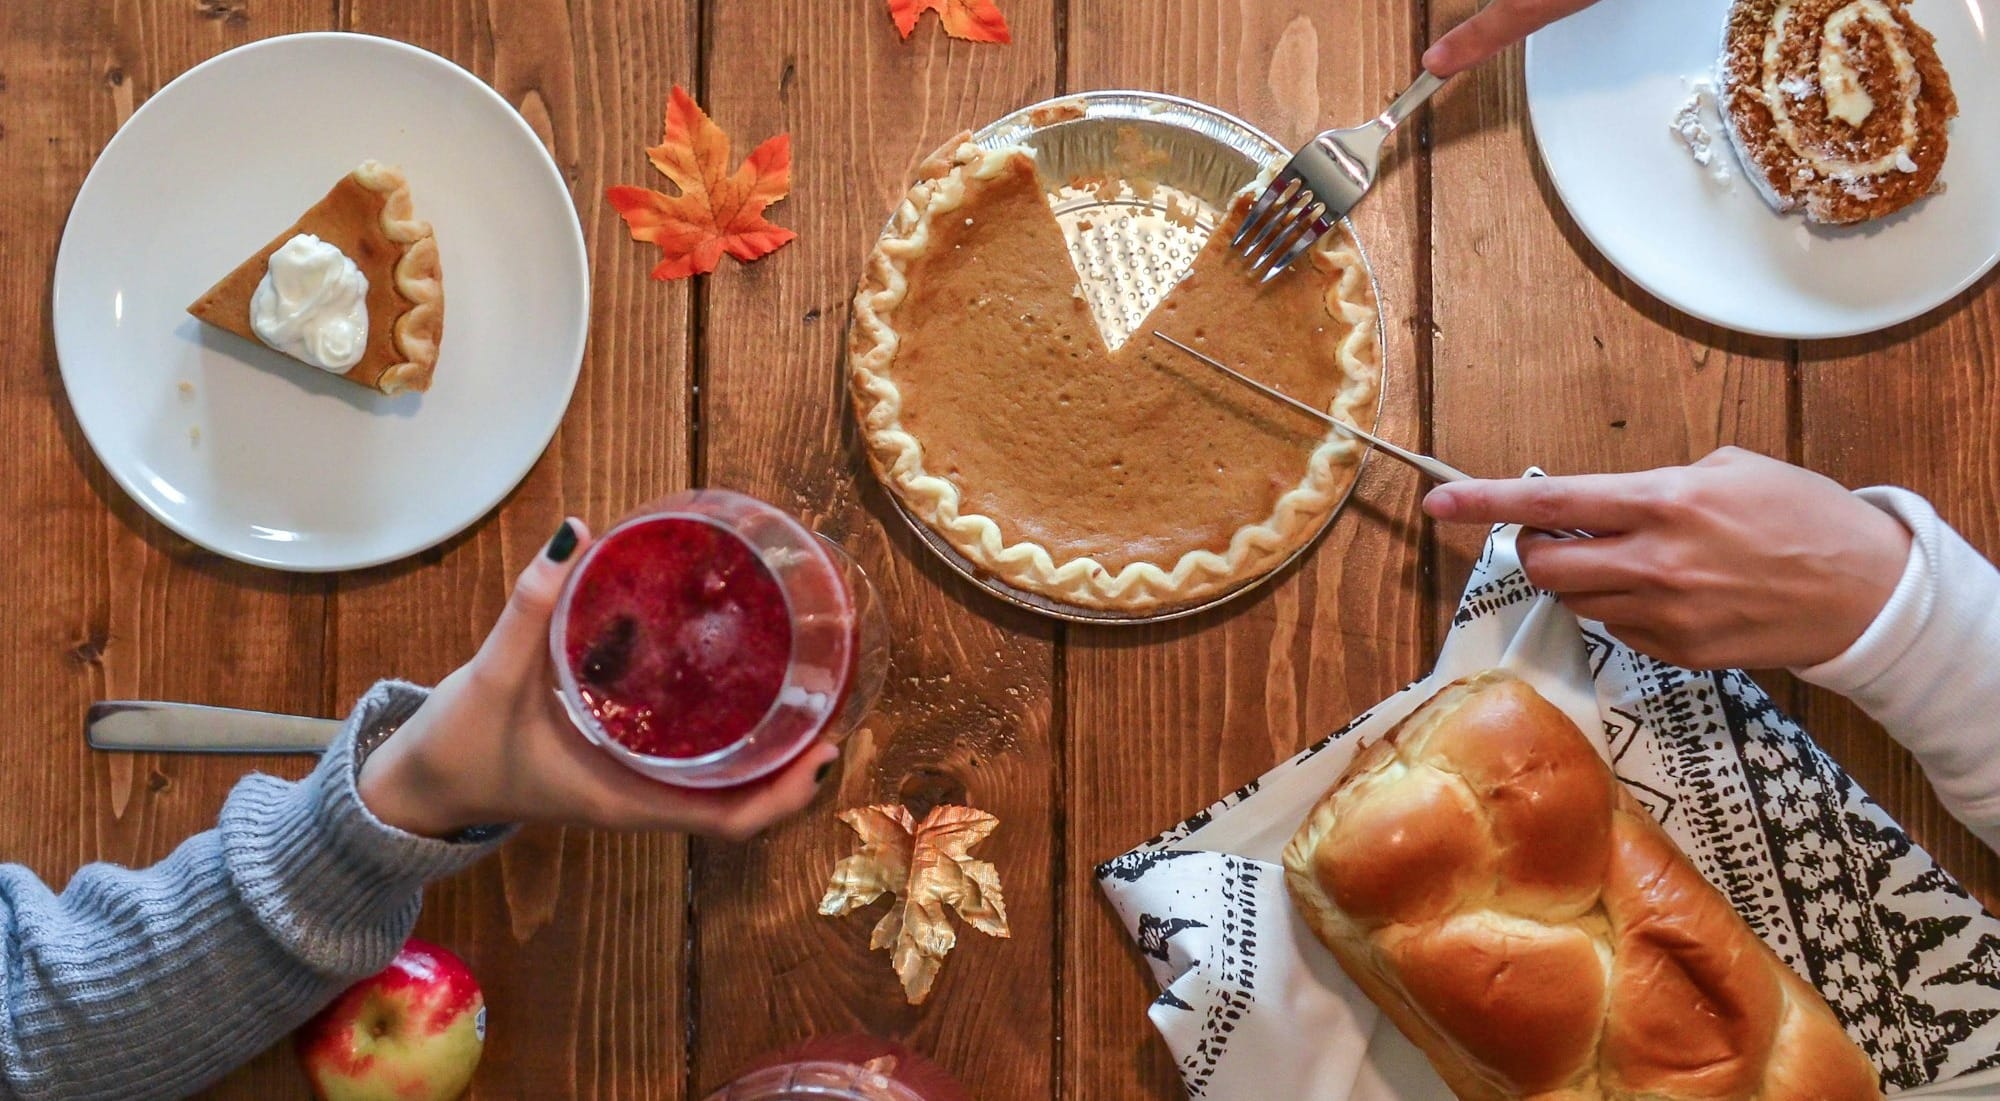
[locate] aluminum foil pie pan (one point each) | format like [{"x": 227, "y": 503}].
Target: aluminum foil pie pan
[{"x": 1152, "y": 175}]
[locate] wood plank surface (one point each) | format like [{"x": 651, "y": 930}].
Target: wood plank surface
[
  {"x": 630, "y": 967},
  {"x": 1162, "y": 721},
  {"x": 103, "y": 601},
  {"x": 966, "y": 717},
  {"x": 576, "y": 936},
  {"x": 1546, "y": 354},
  {"x": 1917, "y": 406}
]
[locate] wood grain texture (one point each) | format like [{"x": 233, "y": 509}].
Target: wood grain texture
[
  {"x": 102, "y": 600},
  {"x": 1510, "y": 342},
  {"x": 1163, "y": 721},
  {"x": 1917, "y": 406},
  {"x": 965, "y": 718},
  {"x": 577, "y": 937},
  {"x": 1546, "y": 354},
  {"x": 1615, "y": 380}
]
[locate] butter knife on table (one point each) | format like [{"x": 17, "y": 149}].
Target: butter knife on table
[{"x": 158, "y": 726}]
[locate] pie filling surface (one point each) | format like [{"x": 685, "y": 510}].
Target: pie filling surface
[{"x": 1134, "y": 479}]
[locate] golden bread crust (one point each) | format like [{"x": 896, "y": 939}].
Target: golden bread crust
[{"x": 1589, "y": 967}]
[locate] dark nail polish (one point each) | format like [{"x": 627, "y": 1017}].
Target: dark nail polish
[
  {"x": 825, "y": 771},
  {"x": 564, "y": 543}
]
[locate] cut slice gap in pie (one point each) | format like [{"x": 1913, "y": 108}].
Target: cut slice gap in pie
[
  {"x": 1134, "y": 480},
  {"x": 353, "y": 287},
  {"x": 1131, "y": 242}
]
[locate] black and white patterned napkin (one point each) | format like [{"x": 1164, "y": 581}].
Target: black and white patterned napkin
[{"x": 1253, "y": 1007}]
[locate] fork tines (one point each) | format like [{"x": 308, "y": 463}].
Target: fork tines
[{"x": 1282, "y": 224}]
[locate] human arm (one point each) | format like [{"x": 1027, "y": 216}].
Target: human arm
[
  {"x": 1928, "y": 667},
  {"x": 135, "y": 984},
  {"x": 1741, "y": 560},
  {"x": 493, "y": 744},
  {"x": 1497, "y": 26}
]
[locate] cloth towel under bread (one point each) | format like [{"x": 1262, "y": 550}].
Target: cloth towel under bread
[{"x": 1253, "y": 1008}]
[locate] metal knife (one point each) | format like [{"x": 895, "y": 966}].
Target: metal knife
[
  {"x": 1436, "y": 469},
  {"x": 157, "y": 726}
]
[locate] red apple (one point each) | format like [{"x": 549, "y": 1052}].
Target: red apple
[{"x": 411, "y": 1033}]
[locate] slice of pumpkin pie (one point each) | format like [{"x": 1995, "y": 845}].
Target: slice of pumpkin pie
[
  {"x": 1131, "y": 480},
  {"x": 354, "y": 287}
]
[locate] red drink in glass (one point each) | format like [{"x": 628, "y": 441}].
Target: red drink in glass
[
  {"x": 709, "y": 639},
  {"x": 845, "y": 1068}
]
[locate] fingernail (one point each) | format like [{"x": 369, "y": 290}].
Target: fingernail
[
  {"x": 1438, "y": 502},
  {"x": 563, "y": 544}
]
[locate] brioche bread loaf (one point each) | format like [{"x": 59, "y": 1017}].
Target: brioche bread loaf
[
  {"x": 1484, "y": 878},
  {"x": 1836, "y": 107}
]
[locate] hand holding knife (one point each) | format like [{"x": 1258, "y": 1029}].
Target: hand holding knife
[{"x": 1437, "y": 470}]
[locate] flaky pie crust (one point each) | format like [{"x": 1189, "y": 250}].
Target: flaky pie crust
[
  {"x": 898, "y": 456},
  {"x": 419, "y": 278}
]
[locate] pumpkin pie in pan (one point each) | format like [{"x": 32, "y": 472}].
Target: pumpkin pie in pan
[{"x": 1133, "y": 480}]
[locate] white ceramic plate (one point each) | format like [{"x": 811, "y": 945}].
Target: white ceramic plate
[
  {"x": 1603, "y": 87},
  {"x": 262, "y": 458}
]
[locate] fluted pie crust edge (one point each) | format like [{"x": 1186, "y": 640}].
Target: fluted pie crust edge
[
  {"x": 369, "y": 215},
  {"x": 897, "y": 455},
  {"x": 419, "y": 278}
]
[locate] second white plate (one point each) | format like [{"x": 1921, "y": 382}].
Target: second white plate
[
  {"x": 1603, "y": 87},
  {"x": 256, "y": 456}
]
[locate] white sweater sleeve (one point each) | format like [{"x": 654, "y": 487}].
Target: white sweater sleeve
[{"x": 1928, "y": 668}]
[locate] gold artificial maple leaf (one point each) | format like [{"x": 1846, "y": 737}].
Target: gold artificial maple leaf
[{"x": 929, "y": 870}]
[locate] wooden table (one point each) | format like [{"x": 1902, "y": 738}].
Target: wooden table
[{"x": 651, "y": 967}]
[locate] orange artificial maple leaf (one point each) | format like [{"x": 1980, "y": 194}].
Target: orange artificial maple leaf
[
  {"x": 715, "y": 211},
  {"x": 974, "y": 20}
]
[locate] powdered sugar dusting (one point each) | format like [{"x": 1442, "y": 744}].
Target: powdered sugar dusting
[
  {"x": 1798, "y": 87},
  {"x": 1697, "y": 123}
]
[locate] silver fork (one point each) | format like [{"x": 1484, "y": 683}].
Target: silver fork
[{"x": 1320, "y": 184}]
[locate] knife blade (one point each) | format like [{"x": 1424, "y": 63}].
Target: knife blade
[
  {"x": 1436, "y": 469},
  {"x": 159, "y": 726}
]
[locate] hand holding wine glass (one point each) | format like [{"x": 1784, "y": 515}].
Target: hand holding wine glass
[{"x": 493, "y": 744}]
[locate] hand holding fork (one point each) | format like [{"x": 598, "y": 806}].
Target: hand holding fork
[
  {"x": 1324, "y": 180},
  {"x": 1321, "y": 183}
]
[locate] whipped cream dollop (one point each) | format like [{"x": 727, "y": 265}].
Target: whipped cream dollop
[{"x": 312, "y": 304}]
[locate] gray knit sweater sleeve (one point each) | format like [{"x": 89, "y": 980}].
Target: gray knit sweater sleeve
[{"x": 154, "y": 983}]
